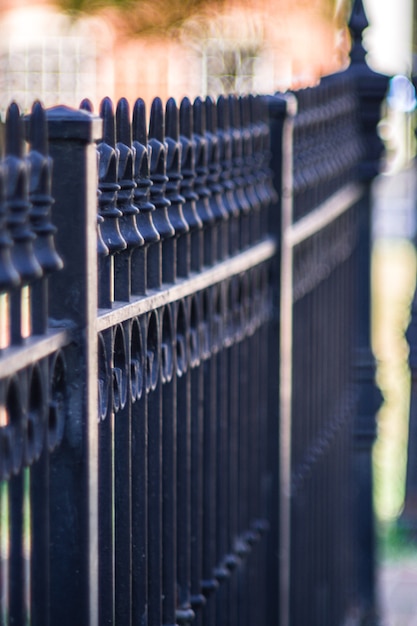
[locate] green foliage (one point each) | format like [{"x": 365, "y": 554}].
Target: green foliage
[
  {"x": 395, "y": 541},
  {"x": 90, "y": 6}
]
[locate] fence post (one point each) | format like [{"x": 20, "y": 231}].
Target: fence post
[
  {"x": 282, "y": 110},
  {"x": 370, "y": 89},
  {"x": 408, "y": 519},
  {"x": 73, "y": 471}
]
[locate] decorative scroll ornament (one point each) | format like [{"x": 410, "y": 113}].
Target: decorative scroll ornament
[
  {"x": 173, "y": 144},
  {"x": 108, "y": 185},
  {"x": 40, "y": 192},
  {"x": 158, "y": 171},
  {"x": 17, "y": 200},
  {"x": 143, "y": 181},
  {"x": 125, "y": 177}
]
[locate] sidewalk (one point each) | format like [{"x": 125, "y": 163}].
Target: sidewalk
[{"x": 397, "y": 591}]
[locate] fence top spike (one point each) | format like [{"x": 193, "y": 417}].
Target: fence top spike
[
  {"x": 86, "y": 105},
  {"x": 123, "y": 126},
  {"x": 172, "y": 120},
  {"x": 357, "y": 24},
  {"x": 244, "y": 105},
  {"x": 253, "y": 109},
  {"x": 223, "y": 112},
  {"x": 107, "y": 115},
  {"x": 14, "y": 133},
  {"x": 199, "y": 116},
  {"x": 211, "y": 114},
  {"x": 233, "y": 111},
  {"x": 186, "y": 117},
  {"x": 358, "y": 20},
  {"x": 38, "y": 137},
  {"x": 139, "y": 122},
  {"x": 157, "y": 121},
  {"x": 261, "y": 108}
]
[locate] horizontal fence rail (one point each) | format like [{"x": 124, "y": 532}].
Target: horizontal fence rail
[{"x": 186, "y": 381}]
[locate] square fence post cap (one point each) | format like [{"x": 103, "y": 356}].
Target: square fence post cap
[
  {"x": 67, "y": 123},
  {"x": 282, "y": 105}
]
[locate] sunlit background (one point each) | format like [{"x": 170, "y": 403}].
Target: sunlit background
[{"x": 66, "y": 50}]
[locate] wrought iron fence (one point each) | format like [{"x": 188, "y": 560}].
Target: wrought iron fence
[{"x": 180, "y": 396}]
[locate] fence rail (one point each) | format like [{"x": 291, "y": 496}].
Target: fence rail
[{"x": 183, "y": 307}]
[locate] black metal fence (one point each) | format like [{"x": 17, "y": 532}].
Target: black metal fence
[{"x": 185, "y": 375}]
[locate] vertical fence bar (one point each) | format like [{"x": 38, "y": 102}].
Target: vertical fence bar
[
  {"x": 169, "y": 472},
  {"x": 272, "y": 221},
  {"x": 17, "y": 203},
  {"x": 409, "y": 514},
  {"x": 197, "y": 600},
  {"x": 210, "y": 582},
  {"x": 141, "y": 361},
  {"x": 129, "y": 212},
  {"x": 185, "y": 614},
  {"x": 193, "y": 219},
  {"x": 108, "y": 163},
  {"x": 122, "y": 472},
  {"x": 222, "y": 478},
  {"x": 17, "y": 207},
  {"x": 281, "y": 145},
  {"x": 40, "y": 215},
  {"x": 40, "y": 502},
  {"x": 41, "y": 384},
  {"x": 202, "y": 190},
  {"x": 370, "y": 89},
  {"x": 154, "y": 389},
  {"x": 74, "y": 489},
  {"x": 142, "y": 199},
  {"x": 240, "y": 183},
  {"x": 16, "y": 567},
  {"x": 217, "y": 206},
  {"x": 158, "y": 268},
  {"x": 106, "y": 481},
  {"x": 225, "y": 154},
  {"x": 180, "y": 254},
  {"x": 267, "y": 187}
]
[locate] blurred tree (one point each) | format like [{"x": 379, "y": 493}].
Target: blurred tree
[
  {"x": 160, "y": 16},
  {"x": 139, "y": 17}
]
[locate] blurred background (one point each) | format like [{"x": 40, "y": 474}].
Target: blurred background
[{"x": 65, "y": 50}]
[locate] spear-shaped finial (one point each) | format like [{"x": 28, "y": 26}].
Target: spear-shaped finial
[
  {"x": 357, "y": 24},
  {"x": 142, "y": 174},
  {"x": 186, "y": 118},
  {"x": 223, "y": 112},
  {"x": 38, "y": 136},
  {"x": 211, "y": 114},
  {"x": 40, "y": 180},
  {"x": 234, "y": 112},
  {"x": 86, "y": 105},
  {"x": 199, "y": 116},
  {"x": 139, "y": 122},
  {"x": 123, "y": 126},
  {"x": 14, "y": 135},
  {"x": 109, "y": 127},
  {"x": 157, "y": 121},
  {"x": 172, "y": 120}
]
